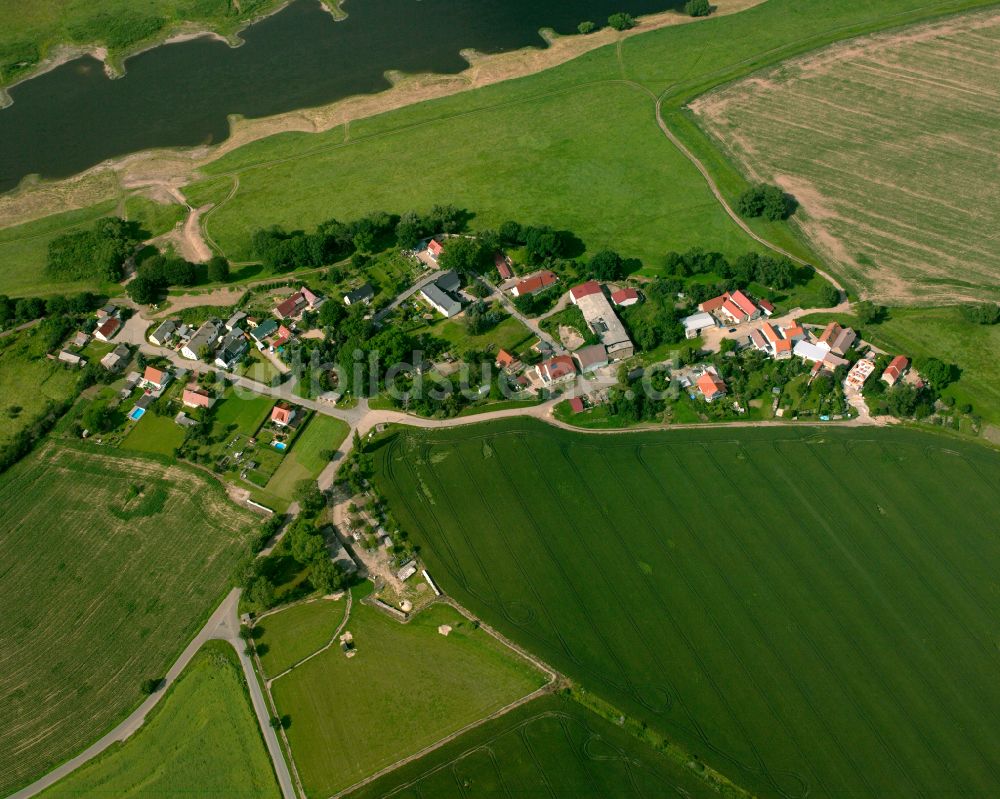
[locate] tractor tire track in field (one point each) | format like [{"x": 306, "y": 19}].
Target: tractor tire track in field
[
  {"x": 763, "y": 769},
  {"x": 821, "y": 523},
  {"x": 932, "y": 687},
  {"x": 525, "y": 580}
]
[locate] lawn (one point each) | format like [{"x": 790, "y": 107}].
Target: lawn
[
  {"x": 407, "y": 687},
  {"x": 158, "y": 435},
  {"x": 551, "y": 742},
  {"x": 807, "y": 611},
  {"x": 509, "y": 335},
  {"x": 897, "y": 201},
  {"x": 111, "y": 565},
  {"x": 304, "y": 461},
  {"x": 28, "y": 381},
  {"x": 296, "y": 632},
  {"x": 244, "y": 409},
  {"x": 24, "y": 251},
  {"x": 503, "y": 154},
  {"x": 201, "y": 740}
]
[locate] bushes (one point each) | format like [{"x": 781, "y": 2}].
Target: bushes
[
  {"x": 621, "y": 21},
  {"x": 981, "y": 313},
  {"x": 767, "y": 201},
  {"x": 97, "y": 254},
  {"x": 697, "y": 8},
  {"x": 586, "y": 27}
]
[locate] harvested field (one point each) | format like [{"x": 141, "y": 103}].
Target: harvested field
[
  {"x": 812, "y": 612},
  {"x": 890, "y": 145},
  {"x": 102, "y": 586}
]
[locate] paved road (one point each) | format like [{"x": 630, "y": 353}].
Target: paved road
[{"x": 223, "y": 625}]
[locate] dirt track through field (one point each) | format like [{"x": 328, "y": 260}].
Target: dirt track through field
[{"x": 889, "y": 143}]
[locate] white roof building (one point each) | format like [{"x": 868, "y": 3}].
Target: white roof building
[{"x": 694, "y": 324}]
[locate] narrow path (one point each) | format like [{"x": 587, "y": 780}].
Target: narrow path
[
  {"x": 223, "y": 625},
  {"x": 714, "y": 188}
]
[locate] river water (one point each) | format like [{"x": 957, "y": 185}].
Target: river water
[{"x": 177, "y": 95}]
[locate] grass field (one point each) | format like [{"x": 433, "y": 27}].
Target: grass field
[
  {"x": 528, "y": 160},
  {"x": 297, "y": 632},
  {"x": 908, "y": 126},
  {"x": 24, "y": 252},
  {"x": 548, "y": 747},
  {"x": 243, "y": 409},
  {"x": 27, "y": 381},
  {"x": 407, "y": 687},
  {"x": 202, "y": 740},
  {"x": 155, "y": 218},
  {"x": 303, "y": 461},
  {"x": 102, "y": 588},
  {"x": 508, "y": 335},
  {"x": 158, "y": 435},
  {"x": 808, "y": 611}
]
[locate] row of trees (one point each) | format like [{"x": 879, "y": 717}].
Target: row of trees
[
  {"x": 26, "y": 309},
  {"x": 775, "y": 272},
  {"x": 158, "y": 272}
]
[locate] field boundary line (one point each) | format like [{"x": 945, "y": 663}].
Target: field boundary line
[
  {"x": 552, "y": 674},
  {"x": 321, "y": 650}
]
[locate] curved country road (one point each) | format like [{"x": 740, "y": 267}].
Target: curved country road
[{"x": 223, "y": 625}]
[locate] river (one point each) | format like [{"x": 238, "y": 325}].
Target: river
[{"x": 180, "y": 95}]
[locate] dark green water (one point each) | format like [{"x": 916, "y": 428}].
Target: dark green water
[{"x": 74, "y": 117}]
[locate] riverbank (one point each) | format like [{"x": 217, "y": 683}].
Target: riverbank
[
  {"x": 178, "y": 166},
  {"x": 173, "y": 32}
]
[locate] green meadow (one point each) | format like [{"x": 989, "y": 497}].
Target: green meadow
[
  {"x": 550, "y": 746},
  {"x": 809, "y": 611},
  {"x": 201, "y": 740},
  {"x": 406, "y": 687}
]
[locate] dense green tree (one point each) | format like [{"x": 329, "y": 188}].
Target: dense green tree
[
  {"x": 829, "y": 296},
  {"x": 765, "y": 200},
  {"x": 621, "y": 21},
  {"x": 326, "y": 576},
  {"x": 937, "y": 373},
  {"x": 586, "y": 27},
  {"x": 697, "y": 8},
  {"x": 607, "y": 265},
  {"x": 143, "y": 289},
  {"x": 217, "y": 269},
  {"x": 465, "y": 255}
]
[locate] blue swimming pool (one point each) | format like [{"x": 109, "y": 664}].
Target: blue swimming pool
[
  {"x": 280, "y": 446},
  {"x": 136, "y": 414}
]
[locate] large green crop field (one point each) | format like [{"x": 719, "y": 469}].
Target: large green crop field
[
  {"x": 548, "y": 747},
  {"x": 102, "y": 586},
  {"x": 202, "y": 740},
  {"x": 808, "y": 610},
  {"x": 908, "y": 127},
  {"x": 406, "y": 688}
]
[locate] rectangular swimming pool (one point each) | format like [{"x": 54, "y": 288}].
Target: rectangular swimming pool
[{"x": 136, "y": 414}]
